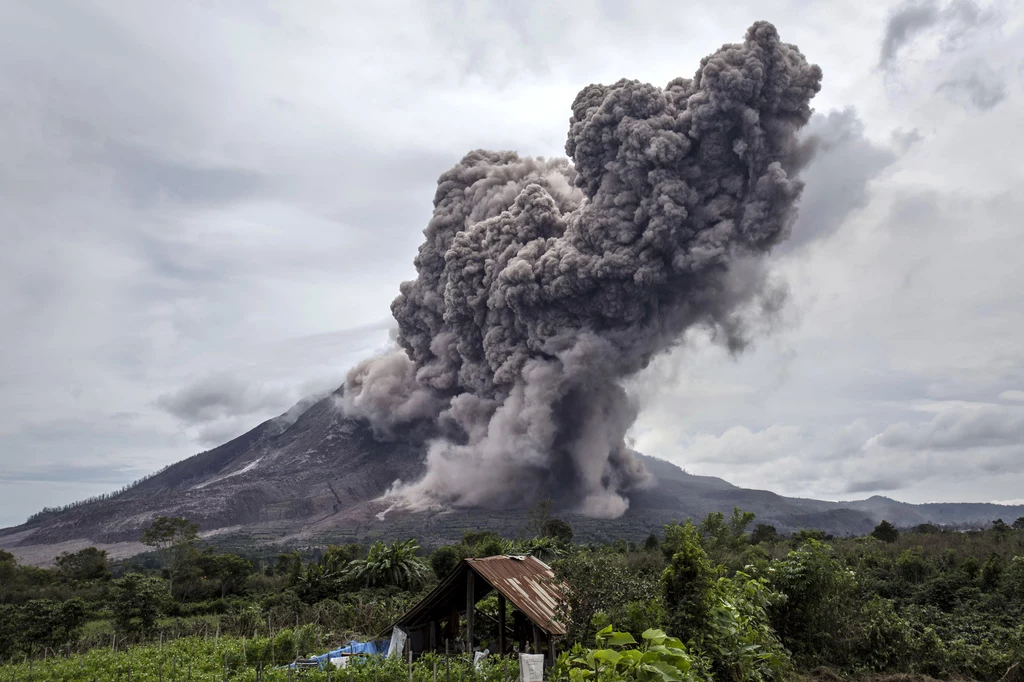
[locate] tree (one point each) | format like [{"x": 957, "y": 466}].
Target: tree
[
  {"x": 764, "y": 532},
  {"x": 230, "y": 570},
  {"x": 602, "y": 588},
  {"x": 44, "y": 623},
  {"x": 687, "y": 581},
  {"x": 326, "y": 578},
  {"x": 538, "y": 516},
  {"x": 886, "y": 532},
  {"x": 174, "y": 537},
  {"x": 559, "y": 530},
  {"x": 446, "y": 558},
  {"x": 138, "y": 602},
  {"x": 86, "y": 564},
  {"x": 651, "y": 543},
  {"x": 721, "y": 535},
  {"x": 390, "y": 565},
  {"x": 1019, "y": 524}
]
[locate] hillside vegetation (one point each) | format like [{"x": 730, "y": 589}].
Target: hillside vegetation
[{"x": 737, "y": 600}]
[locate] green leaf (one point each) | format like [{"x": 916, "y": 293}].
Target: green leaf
[
  {"x": 619, "y": 639},
  {"x": 653, "y": 634},
  {"x": 663, "y": 671},
  {"x": 608, "y": 656}
]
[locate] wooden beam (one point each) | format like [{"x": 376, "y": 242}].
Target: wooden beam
[
  {"x": 470, "y": 608},
  {"x": 501, "y": 624}
]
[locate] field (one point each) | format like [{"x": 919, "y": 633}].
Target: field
[{"x": 202, "y": 659}]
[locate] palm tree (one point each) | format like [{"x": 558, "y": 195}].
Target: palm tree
[{"x": 395, "y": 564}]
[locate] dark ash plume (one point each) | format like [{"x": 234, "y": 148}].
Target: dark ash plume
[{"x": 542, "y": 285}]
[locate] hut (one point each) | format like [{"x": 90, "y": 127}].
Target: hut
[{"x": 448, "y": 617}]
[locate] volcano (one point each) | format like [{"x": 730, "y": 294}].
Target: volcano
[{"x": 314, "y": 476}]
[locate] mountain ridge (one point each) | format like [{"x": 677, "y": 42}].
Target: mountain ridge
[{"x": 311, "y": 476}]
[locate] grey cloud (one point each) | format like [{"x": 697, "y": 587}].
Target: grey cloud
[
  {"x": 914, "y": 17},
  {"x": 991, "y": 426},
  {"x": 909, "y": 19},
  {"x": 221, "y": 431},
  {"x": 146, "y": 177},
  {"x": 844, "y": 161},
  {"x": 874, "y": 485},
  {"x": 216, "y": 396},
  {"x": 983, "y": 88},
  {"x": 97, "y": 473}
]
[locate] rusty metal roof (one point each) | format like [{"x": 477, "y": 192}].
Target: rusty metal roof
[{"x": 528, "y": 583}]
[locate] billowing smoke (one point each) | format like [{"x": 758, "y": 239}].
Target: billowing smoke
[{"x": 543, "y": 284}]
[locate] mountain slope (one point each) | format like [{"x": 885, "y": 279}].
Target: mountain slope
[{"x": 312, "y": 476}]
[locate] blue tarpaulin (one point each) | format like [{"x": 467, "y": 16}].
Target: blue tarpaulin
[{"x": 379, "y": 646}]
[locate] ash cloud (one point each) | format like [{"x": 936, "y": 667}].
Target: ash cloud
[{"x": 542, "y": 284}]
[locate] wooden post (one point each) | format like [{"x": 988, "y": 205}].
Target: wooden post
[
  {"x": 536, "y": 638},
  {"x": 470, "y": 608},
  {"x": 520, "y": 630},
  {"x": 432, "y": 639},
  {"x": 501, "y": 624}
]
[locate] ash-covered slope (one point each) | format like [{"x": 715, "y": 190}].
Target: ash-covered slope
[{"x": 313, "y": 476}]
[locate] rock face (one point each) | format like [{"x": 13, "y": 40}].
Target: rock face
[{"x": 313, "y": 476}]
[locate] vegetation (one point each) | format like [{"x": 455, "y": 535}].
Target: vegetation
[{"x": 738, "y": 600}]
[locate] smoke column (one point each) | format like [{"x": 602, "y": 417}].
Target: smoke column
[{"x": 543, "y": 284}]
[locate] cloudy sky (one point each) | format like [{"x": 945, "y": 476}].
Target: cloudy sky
[{"x": 206, "y": 207}]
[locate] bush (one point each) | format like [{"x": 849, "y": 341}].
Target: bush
[
  {"x": 444, "y": 559},
  {"x": 284, "y": 646},
  {"x": 138, "y": 602}
]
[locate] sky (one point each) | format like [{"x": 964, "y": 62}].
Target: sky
[{"x": 207, "y": 206}]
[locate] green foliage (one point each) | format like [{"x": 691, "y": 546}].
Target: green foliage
[
  {"x": 935, "y": 602},
  {"x": 138, "y": 602},
  {"x": 721, "y": 536},
  {"x": 764, "y": 533},
  {"x": 659, "y": 658},
  {"x": 558, "y": 530},
  {"x": 284, "y": 647},
  {"x": 602, "y": 587},
  {"x": 820, "y": 594},
  {"x": 739, "y": 642},
  {"x": 395, "y": 564},
  {"x": 174, "y": 537},
  {"x": 40, "y": 624},
  {"x": 687, "y": 582},
  {"x": 447, "y": 557},
  {"x": 886, "y": 532},
  {"x": 230, "y": 571},
  {"x": 86, "y": 564}
]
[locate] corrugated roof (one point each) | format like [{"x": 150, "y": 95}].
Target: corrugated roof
[{"x": 528, "y": 583}]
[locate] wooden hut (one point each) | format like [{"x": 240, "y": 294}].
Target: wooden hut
[{"x": 448, "y": 617}]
